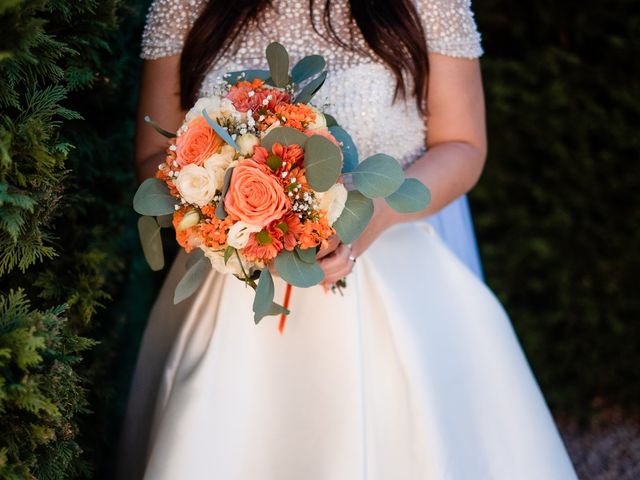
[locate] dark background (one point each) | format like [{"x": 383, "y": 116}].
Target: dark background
[{"x": 557, "y": 215}]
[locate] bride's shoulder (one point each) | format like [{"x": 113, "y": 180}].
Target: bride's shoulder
[
  {"x": 450, "y": 27},
  {"x": 167, "y": 24}
]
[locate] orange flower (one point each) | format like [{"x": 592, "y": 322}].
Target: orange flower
[
  {"x": 262, "y": 246},
  {"x": 198, "y": 143},
  {"x": 255, "y": 196},
  {"x": 315, "y": 233},
  {"x": 214, "y": 232},
  {"x": 289, "y": 229},
  {"x": 293, "y": 155},
  {"x": 183, "y": 236},
  {"x": 297, "y": 116},
  {"x": 239, "y": 94}
]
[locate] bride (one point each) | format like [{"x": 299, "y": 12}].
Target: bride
[{"x": 415, "y": 372}]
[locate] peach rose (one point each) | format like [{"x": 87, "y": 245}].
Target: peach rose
[
  {"x": 198, "y": 143},
  {"x": 255, "y": 196}
]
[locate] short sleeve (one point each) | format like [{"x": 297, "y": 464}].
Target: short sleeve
[
  {"x": 167, "y": 25},
  {"x": 450, "y": 27}
]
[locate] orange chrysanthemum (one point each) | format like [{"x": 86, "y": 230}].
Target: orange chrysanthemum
[
  {"x": 262, "y": 246},
  {"x": 297, "y": 116}
]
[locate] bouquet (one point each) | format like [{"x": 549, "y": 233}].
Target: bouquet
[{"x": 254, "y": 180}]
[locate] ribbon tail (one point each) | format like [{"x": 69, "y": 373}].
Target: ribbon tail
[{"x": 283, "y": 317}]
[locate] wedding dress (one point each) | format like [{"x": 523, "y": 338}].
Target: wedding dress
[{"x": 415, "y": 373}]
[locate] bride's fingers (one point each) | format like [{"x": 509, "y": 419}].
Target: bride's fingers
[
  {"x": 332, "y": 244},
  {"x": 337, "y": 265}
]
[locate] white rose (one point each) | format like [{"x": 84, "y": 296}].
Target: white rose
[
  {"x": 246, "y": 143},
  {"x": 215, "y": 106},
  {"x": 218, "y": 163},
  {"x": 233, "y": 264},
  {"x": 190, "y": 219},
  {"x": 332, "y": 201},
  {"x": 320, "y": 121},
  {"x": 195, "y": 184},
  {"x": 239, "y": 233}
]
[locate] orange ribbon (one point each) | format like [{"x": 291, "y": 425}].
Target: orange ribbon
[{"x": 283, "y": 317}]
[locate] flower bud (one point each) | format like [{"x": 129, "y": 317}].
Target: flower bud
[{"x": 190, "y": 219}]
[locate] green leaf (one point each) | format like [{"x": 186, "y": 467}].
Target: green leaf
[
  {"x": 165, "y": 221},
  {"x": 192, "y": 280},
  {"x": 307, "y": 68},
  {"x": 149, "y": 231},
  {"x": 331, "y": 120},
  {"x": 278, "y": 60},
  {"x": 284, "y": 136},
  {"x": 194, "y": 257},
  {"x": 357, "y": 212},
  {"x": 349, "y": 150},
  {"x": 322, "y": 162},
  {"x": 297, "y": 272},
  {"x": 249, "y": 75},
  {"x": 221, "y": 212},
  {"x": 153, "y": 198},
  {"x": 412, "y": 196},
  {"x": 158, "y": 128},
  {"x": 264, "y": 295},
  {"x": 227, "y": 253},
  {"x": 378, "y": 176},
  {"x": 307, "y": 93},
  {"x": 308, "y": 255},
  {"x": 220, "y": 131}
]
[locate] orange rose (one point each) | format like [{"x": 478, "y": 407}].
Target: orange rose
[
  {"x": 198, "y": 143},
  {"x": 255, "y": 196}
]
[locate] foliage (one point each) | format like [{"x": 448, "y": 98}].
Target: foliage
[{"x": 558, "y": 208}]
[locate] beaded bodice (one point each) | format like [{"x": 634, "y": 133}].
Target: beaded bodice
[{"x": 359, "y": 89}]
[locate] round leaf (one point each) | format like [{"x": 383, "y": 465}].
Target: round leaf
[
  {"x": 220, "y": 131},
  {"x": 151, "y": 241},
  {"x": 307, "y": 68},
  {"x": 153, "y": 198},
  {"x": 349, "y": 150},
  {"x": 357, "y": 212},
  {"x": 322, "y": 163},
  {"x": 378, "y": 176},
  {"x": 192, "y": 280},
  {"x": 297, "y": 272},
  {"x": 412, "y": 196},
  {"x": 284, "y": 136},
  {"x": 307, "y": 255},
  {"x": 278, "y": 60}
]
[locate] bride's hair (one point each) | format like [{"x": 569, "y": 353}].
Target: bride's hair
[{"x": 392, "y": 29}]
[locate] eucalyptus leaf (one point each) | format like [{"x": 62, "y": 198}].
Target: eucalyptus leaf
[
  {"x": 158, "y": 128},
  {"x": 249, "y": 75},
  {"x": 284, "y": 136},
  {"x": 322, "y": 163},
  {"x": 165, "y": 221},
  {"x": 192, "y": 280},
  {"x": 278, "y": 60},
  {"x": 307, "y": 255},
  {"x": 331, "y": 120},
  {"x": 357, "y": 212},
  {"x": 297, "y": 272},
  {"x": 264, "y": 295},
  {"x": 221, "y": 212},
  {"x": 310, "y": 89},
  {"x": 153, "y": 198},
  {"x": 412, "y": 196},
  {"x": 220, "y": 131},
  {"x": 151, "y": 240},
  {"x": 194, "y": 257},
  {"x": 378, "y": 176},
  {"x": 307, "y": 68},
  {"x": 349, "y": 150}
]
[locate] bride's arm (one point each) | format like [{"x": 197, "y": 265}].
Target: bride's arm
[
  {"x": 160, "y": 99},
  {"x": 457, "y": 147}
]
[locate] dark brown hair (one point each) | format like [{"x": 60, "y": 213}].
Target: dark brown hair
[{"x": 391, "y": 28}]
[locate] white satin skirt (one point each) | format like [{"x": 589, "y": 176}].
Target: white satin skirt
[{"x": 415, "y": 373}]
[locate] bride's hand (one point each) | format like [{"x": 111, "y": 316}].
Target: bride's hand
[
  {"x": 340, "y": 263},
  {"x": 332, "y": 243}
]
